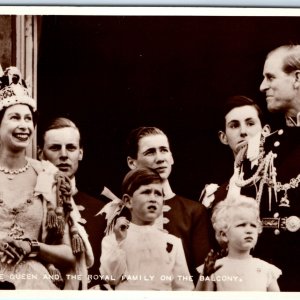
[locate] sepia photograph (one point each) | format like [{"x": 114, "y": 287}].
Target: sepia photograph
[{"x": 150, "y": 150}]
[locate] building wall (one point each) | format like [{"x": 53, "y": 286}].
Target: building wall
[{"x": 6, "y": 41}]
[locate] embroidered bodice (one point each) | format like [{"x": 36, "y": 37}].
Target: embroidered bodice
[
  {"x": 21, "y": 212},
  {"x": 23, "y": 219}
]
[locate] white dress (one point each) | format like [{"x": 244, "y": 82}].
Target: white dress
[
  {"x": 23, "y": 220},
  {"x": 252, "y": 274},
  {"x": 148, "y": 259},
  {"x": 23, "y": 214}
]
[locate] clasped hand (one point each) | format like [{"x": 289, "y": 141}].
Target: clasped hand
[{"x": 13, "y": 251}]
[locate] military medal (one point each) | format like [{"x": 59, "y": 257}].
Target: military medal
[{"x": 284, "y": 201}]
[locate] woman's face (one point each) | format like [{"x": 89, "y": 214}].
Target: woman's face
[{"x": 16, "y": 127}]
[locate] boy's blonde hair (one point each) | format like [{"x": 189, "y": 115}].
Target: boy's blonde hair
[{"x": 224, "y": 210}]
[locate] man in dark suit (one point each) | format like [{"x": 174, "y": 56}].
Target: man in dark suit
[
  {"x": 61, "y": 145},
  {"x": 187, "y": 219}
]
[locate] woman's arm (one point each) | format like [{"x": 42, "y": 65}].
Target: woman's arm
[
  {"x": 59, "y": 255},
  {"x": 13, "y": 251}
]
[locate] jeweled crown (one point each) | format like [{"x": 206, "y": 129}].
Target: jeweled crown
[{"x": 13, "y": 89}]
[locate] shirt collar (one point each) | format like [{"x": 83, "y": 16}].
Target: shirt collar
[
  {"x": 73, "y": 186},
  {"x": 293, "y": 122},
  {"x": 142, "y": 228}
]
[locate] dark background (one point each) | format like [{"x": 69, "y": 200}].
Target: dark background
[{"x": 110, "y": 74}]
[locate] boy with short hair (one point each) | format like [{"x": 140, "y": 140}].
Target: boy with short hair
[
  {"x": 243, "y": 129},
  {"x": 138, "y": 255}
]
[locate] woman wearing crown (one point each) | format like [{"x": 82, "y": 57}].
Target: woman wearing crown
[{"x": 41, "y": 242}]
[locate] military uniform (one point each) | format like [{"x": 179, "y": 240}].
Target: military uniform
[
  {"x": 279, "y": 242},
  {"x": 278, "y": 193}
]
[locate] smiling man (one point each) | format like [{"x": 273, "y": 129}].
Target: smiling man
[
  {"x": 281, "y": 82},
  {"x": 281, "y": 86}
]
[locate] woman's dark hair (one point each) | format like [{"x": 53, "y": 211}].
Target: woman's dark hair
[
  {"x": 134, "y": 137},
  {"x": 239, "y": 101},
  {"x": 138, "y": 177}
]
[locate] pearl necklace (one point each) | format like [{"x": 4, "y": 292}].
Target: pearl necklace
[{"x": 12, "y": 173}]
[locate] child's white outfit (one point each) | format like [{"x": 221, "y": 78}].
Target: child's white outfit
[
  {"x": 147, "y": 259},
  {"x": 252, "y": 274}
]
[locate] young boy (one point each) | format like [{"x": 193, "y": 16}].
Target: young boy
[
  {"x": 149, "y": 147},
  {"x": 241, "y": 128},
  {"x": 138, "y": 255}
]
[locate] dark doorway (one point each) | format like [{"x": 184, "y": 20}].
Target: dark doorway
[{"x": 111, "y": 74}]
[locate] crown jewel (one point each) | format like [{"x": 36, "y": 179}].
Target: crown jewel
[{"x": 13, "y": 89}]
